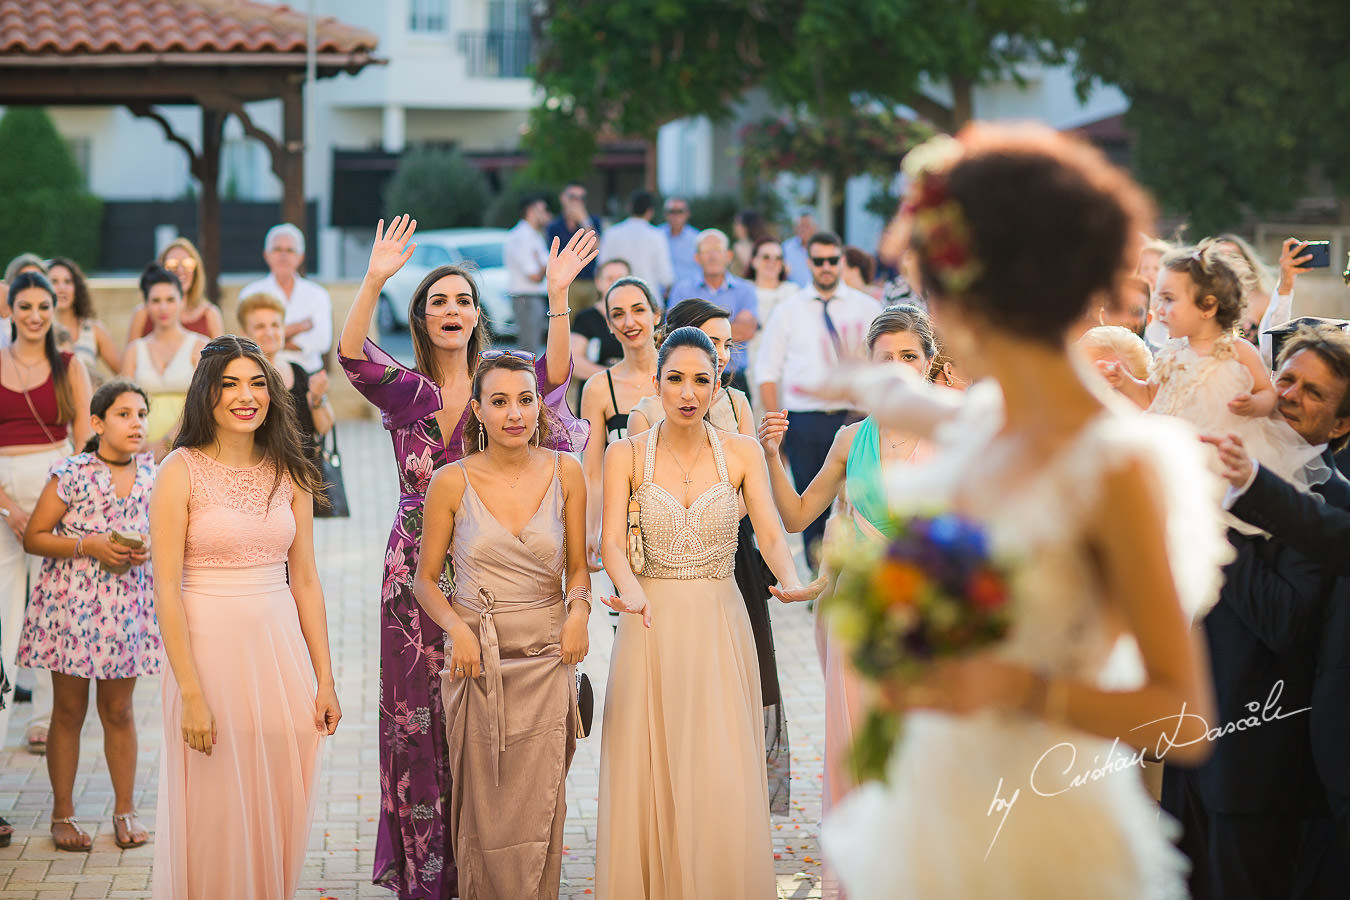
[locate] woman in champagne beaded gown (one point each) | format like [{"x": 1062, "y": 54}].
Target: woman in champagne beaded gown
[
  {"x": 1016, "y": 772},
  {"x": 684, "y": 805},
  {"x": 250, "y": 695}
]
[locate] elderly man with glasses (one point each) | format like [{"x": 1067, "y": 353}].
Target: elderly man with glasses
[
  {"x": 309, "y": 309},
  {"x": 805, "y": 338}
]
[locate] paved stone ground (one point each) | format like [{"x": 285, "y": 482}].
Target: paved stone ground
[{"x": 341, "y": 847}]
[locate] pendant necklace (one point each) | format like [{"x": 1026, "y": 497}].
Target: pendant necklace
[
  {"x": 529, "y": 457},
  {"x": 688, "y": 477}
]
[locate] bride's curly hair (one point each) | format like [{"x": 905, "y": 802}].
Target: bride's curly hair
[{"x": 1049, "y": 222}]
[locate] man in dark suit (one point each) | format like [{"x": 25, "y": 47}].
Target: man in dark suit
[{"x": 1312, "y": 385}]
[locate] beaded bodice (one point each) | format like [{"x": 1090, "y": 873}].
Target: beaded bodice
[
  {"x": 235, "y": 518},
  {"x": 698, "y": 542}
]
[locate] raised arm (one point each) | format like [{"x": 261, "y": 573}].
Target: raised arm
[
  {"x": 309, "y": 604},
  {"x": 388, "y": 254},
  {"x": 564, "y": 264},
  {"x": 168, "y": 533},
  {"x": 800, "y": 510}
]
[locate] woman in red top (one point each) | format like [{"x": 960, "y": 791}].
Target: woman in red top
[{"x": 44, "y": 401}]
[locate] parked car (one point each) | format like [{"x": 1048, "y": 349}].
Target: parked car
[{"x": 478, "y": 249}]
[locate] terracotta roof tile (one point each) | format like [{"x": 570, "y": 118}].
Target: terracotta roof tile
[{"x": 167, "y": 26}]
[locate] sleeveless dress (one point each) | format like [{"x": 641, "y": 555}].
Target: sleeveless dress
[
  {"x": 83, "y": 620},
  {"x": 934, "y": 830},
  {"x": 616, "y": 426},
  {"x": 236, "y": 823},
  {"x": 684, "y": 803},
  {"x": 413, "y": 853},
  {"x": 167, "y": 389},
  {"x": 510, "y": 732},
  {"x": 1197, "y": 389}
]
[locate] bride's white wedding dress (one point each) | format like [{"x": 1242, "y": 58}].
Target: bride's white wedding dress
[{"x": 1007, "y": 806}]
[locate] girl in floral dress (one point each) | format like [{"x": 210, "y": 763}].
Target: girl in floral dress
[
  {"x": 425, "y": 409},
  {"x": 91, "y": 615}
]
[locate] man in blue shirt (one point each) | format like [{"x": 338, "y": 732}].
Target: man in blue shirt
[
  {"x": 682, "y": 237},
  {"x": 736, "y": 295}
]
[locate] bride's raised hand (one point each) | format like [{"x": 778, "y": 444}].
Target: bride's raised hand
[
  {"x": 636, "y": 604},
  {"x": 392, "y": 248},
  {"x": 800, "y": 594},
  {"x": 565, "y": 264}
]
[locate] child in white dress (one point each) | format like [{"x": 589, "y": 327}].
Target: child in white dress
[{"x": 1207, "y": 375}]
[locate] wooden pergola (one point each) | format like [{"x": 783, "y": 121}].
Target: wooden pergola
[{"x": 214, "y": 54}]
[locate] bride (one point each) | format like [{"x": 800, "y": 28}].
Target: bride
[{"x": 1017, "y": 773}]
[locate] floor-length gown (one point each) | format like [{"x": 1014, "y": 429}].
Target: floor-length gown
[
  {"x": 1075, "y": 819},
  {"x": 684, "y": 804},
  {"x": 413, "y": 854},
  {"x": 512, "y": 730},
  {"x": 236, "y": 823}
]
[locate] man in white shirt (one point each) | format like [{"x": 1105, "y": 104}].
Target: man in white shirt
[
  {"x": 682, "y": 238},
  {"x": 526, "y": 257},
  {"x": 309, "y": 309},
  {"x": 806, "y": 336},
  {"x": 640, "y": 242}
]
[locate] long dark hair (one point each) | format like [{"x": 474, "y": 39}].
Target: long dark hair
[
  {"x": 473, "y": 428},
  {"x": 83, "y": 303},
  {"x": 278, "y": 435},
  {"x": 105, "y": 397},
  {"x": 65, "y": 393},
  {"x": 424, "y": 352}
]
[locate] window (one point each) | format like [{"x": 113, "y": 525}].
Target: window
[
  {"x": 80, "y": 150},
  {"x": 485, "y": 256},
  {"x": 428, "y": 16}
]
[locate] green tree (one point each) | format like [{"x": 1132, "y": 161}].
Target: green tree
[
  {"x": 1232, "y": 105},
  {"x": 47, "y": 210},
  {"x": 629, "y": 66},
  {"x": 439, "y": 188}
]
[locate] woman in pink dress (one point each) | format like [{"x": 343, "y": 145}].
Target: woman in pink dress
[{"x": 242, "y": 616}]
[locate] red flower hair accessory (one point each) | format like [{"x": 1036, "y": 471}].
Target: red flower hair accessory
[{"x": 937, "y": 225}]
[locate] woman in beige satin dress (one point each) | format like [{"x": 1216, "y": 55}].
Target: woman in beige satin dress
[
  {"x": 512, "y": 518},
  {"x": 684, "y": 805}
]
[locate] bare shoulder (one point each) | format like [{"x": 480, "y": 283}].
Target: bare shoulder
[
  {"x": 1247, "y": 353},
  {"x": 173, "y": 472},
  {"x": 741, "y": 446},
  {"x": 621, "y": 451},
  {"x": 570, "y": 468},
  {"x": 447, "y": 483}
]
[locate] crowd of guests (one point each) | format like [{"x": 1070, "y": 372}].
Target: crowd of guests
[{"x": 733, "y": 389}]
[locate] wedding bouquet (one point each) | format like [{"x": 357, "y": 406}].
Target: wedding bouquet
[{"x": 931, "y": 591}]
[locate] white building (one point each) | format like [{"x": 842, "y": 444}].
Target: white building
[{"x": 455, "y": 72}]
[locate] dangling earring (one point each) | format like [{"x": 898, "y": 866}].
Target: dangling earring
[
  {"x": 536, "y": 437},
  {"x": 482, "y": 439}
]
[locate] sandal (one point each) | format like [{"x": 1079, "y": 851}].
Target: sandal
[
  {"x": 79, "y": 834},
  {"x": 6, "y": 833},
  {"x": 125, "y": 819},
  {"x": 35, "y": 739}
]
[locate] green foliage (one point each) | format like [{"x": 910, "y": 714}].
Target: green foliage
[
  {"x": 1232, "y": 105},
  {"x": 647, "y": 62},
  {"x": 438, "y": 188},
  {"x": 47, "y": 211}
]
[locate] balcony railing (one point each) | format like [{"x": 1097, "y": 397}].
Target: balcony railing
[{"x": 497, "y": 54}]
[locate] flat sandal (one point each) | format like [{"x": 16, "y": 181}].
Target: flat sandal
[
  {"x": 125, "y": 819},
  {"x": 79, "y": 832}
]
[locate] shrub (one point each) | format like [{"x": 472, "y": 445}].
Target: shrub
[
  {"x": 47, "y": 210},
  {"x": 438, "y": 188}
]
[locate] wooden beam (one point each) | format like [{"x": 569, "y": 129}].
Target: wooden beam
[
  {"x": 292, "y": 152},
  {"x": 165, "y": 87},
  {"x": 208, "y": 206}
]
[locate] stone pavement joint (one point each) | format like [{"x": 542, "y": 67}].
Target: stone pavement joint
[{"x": 341, "y": 848}]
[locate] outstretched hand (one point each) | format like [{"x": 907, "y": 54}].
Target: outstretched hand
[
  {"x": 566, "y": 264},
  {"x": 1237, "y": 465},
  {"x": 797, "y": 595},
  {"x": 392, "y": 248},
  {"x": 639, "y": 607}
]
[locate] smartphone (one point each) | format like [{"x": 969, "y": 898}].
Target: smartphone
[{"x": 1321, "y": 255}]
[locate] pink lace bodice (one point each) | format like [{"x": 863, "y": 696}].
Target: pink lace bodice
[{"x": 234, "y": 517}]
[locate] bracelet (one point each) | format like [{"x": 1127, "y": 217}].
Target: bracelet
[
  {"x": 79, "y": 546},
  {"x": 553, "y": 315},
  {"x": 575, "y": 594},
  {"x": 319, "y": 404}
]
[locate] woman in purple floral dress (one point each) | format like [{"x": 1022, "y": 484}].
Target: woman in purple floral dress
[{"x": 425, "y": 410}]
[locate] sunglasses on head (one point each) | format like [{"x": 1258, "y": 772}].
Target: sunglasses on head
[
  {"x": 498, "y": 354},
  {"x": 825, "y": 260},
  {"x": 228, "y": 343}
]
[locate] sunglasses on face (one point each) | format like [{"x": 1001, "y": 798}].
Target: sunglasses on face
[
  {"x": 228, "y": 343},
  {"x": 186, "y": 264},
  {"x": 825, "y": 260},
  {"x": 498, "y": 354}
]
